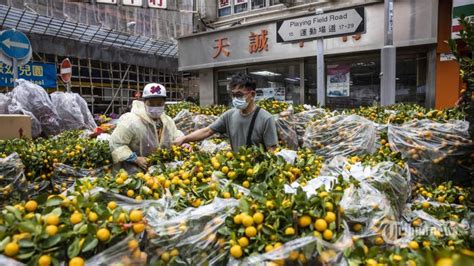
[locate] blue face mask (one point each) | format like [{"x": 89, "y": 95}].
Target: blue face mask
[{"x": 239, "y": 103}]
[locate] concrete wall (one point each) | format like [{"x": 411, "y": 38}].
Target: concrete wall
[{"x": 206, "y": 87}]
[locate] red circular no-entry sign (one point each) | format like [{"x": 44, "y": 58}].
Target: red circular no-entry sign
[{"x": 66, "y": 70}]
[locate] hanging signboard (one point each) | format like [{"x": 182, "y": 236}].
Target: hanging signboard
[
  {"x": 239, "y": 2},
  {"x": 461, "y": 7},
  {"x": 224, "y": 3},
  {"x": 338, "y": 79},
  {"x": 157, "y": 3},
  {"x": 113, "y": 2},
  {"x": 42, "y": 74},
  {"x": 132, "y": 2}
]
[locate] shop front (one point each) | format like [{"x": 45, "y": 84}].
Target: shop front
[{"x": 287, "y": 71}]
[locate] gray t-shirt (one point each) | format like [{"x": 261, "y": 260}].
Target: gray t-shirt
[{"x": 236, "y": 126}]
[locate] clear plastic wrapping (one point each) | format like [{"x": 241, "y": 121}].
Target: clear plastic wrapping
[
  {"x": 125, "y": 252},
  {"x": 73, "y": 111},
  {"x": 14, "y": 186},
  {"x": 392, "y": 180},
  {"x": 365, "y": 208},
  {"x": 190, "y": 237},
  {"x": 11, "y": 173},
  {"x": 64, "y": 176},
  {"x": 202, "y": 121},
  {"x": 4, "y": 101},
  {"x": 209, "y": 146},
  {"x": 433, "y": 149},
  {"x": 184, "y": 121},
  {"x": 305, "y": 250},
  {"x": 341, "y": 135},
  {"x": 68, "y": 111},
  {"x": 31, "y": 99},
  {"x": 89, "y": 121},
  {"x": 286, "y": 133},
  {"x": 4, "y": 260}
]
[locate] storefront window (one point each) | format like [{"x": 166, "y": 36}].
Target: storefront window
[
  {"x": 279, "y": 82},
  {"x": 350, "y": 82},
  {"x": 310, "y": 79},
  {"x": 223, "y": 79},
  {"x": 355, "y": 81},
  {"x": 411, "y": 79}
]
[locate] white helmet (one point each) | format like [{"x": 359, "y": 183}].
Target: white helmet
[{"x": 154, "y": 90}]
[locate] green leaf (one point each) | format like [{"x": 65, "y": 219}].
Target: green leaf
[
  {"x": 25, "y": 243},
  {"x": 15, "y": 212},
  {"x": 56, "y": 211},
  {"x": 4, "y": 242},
  {"x": 244, "y": 205},
  {"x": 25, "y": 256},
  {"x": 74, "y": 249},
  {"x": 28, "y": 226},
  {"x": 52, "y": 241},
  {"x": 83, "y": 229},
  {"x": 90, "y": 243},
  {"x": 10, "y": 218},
  {"x": 54, "y": 201}
]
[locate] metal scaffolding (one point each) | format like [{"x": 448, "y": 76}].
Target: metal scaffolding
[{"x": 33, "y": 23}]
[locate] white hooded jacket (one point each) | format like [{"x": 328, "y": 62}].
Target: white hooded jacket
[{"x": 137, "y": 132}]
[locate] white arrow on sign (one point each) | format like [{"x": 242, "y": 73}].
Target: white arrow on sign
[
  {"x": 9, "y": 43},
  {"x": 323, "y": 25}
]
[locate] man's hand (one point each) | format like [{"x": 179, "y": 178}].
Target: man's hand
[
  {"x": 187, "y": 147},
  {"x": 179, "y": 141},
  {"x": 141, "y": 162}
]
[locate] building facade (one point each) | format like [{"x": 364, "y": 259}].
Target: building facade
[
  {"x": 115, "y": 49},
  {"x": 242, "y": 37}
]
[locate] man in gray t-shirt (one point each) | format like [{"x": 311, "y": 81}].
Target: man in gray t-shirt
[{"x": 237, "y": 122}]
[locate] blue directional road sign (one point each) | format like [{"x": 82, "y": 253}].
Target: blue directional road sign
[{"x": 15, "y": 44}]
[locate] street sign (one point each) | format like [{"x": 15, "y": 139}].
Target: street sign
[
  {"x": 66, "y": 70},
  {"x": 15, "y": 44},
  {"x": 157, "y": 3},
  {"x": 326, "y": 25},
  {"x": 132, "y": 2}
]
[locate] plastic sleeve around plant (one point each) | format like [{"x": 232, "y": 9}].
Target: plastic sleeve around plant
[
  {"x": 4, "y": 260},
  {"x": 68, "y": 110},
  {"x": 432, "y": 148},
  {"x": 4, "y": 102},
  {"x": 316, "y": 250},
  {"x": 341, "y": 135},
  {"x": 286, "y": 132},
  {"x": 192, "y": 232},
  {"x": 66, "y": 174},
  {"x": 119, "y": 254},
  {"x": 29, "y": 97}
]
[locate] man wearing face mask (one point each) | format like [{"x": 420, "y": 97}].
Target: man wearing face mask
[
  {"x": 144, "y": 129},
  {"x": 246, "y": 124}
]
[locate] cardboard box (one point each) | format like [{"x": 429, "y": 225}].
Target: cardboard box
[{"x": 15, "y": 126}]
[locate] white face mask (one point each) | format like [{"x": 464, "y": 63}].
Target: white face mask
[
  {"x": 155, "y": 111},
  {"x": 239, "y": 103}
]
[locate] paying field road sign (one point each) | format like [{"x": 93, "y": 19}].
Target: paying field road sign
[
  {"x": 330, "y": 24},
  {"x": 15, "y": 44}
]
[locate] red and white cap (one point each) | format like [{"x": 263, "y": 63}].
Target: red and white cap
[{"x": 154, "y": 90}]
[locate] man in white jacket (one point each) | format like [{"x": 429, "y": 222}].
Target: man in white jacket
[{"x": 144, "y": 129}]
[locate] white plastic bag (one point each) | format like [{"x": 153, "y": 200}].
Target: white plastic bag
[{"x": 31, "y": 99}]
